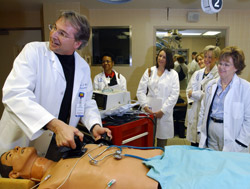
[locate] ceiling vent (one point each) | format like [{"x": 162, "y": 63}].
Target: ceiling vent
[{"x": 193, "y": 16}]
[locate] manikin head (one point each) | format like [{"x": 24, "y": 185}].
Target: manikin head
[{"x": 17, "y": 163}]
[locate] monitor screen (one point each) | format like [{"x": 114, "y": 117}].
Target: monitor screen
[
  {"x": 114, "y": 40},
  {"x": 101, "y": 100}
]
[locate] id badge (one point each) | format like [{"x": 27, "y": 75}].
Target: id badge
[
  {"x": 80, "y": 106},
  {"x": 79, "y": 110},
  {"x": 108, "y": 80}
]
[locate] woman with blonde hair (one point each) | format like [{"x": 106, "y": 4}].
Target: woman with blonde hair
[{"x": 195, "y": 90}]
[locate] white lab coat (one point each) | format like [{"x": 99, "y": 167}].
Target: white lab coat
[
  {"x": 236, "y": 114},
  {"x": 32, "y": 96},
  {"x": 167, "y": 89},
  {"x": 197, "y": 84},
  {"x": 192, "y": 67},
  {"x": 100, "y": 82}
]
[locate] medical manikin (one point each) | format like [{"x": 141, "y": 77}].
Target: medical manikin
[{"x": 97, "y": 168}]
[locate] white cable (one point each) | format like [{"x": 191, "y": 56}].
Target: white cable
[
  {"x": 75, "y": 166},
  {"x": 46, "y": 178}
]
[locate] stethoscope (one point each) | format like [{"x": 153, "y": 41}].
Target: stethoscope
[{"x": 118, "y": 153}]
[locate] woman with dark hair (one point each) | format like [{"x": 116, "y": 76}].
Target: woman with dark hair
[
  {"x": 158, "y": 92},
  {"x": 224, "y": 119}
]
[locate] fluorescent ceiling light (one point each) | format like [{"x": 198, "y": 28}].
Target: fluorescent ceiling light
[
  {"x": 126, "y": 33},
  {"x": 187, "y": 34},
  {"x": 162, "y": 34},
  {"x": 114, "y": 1},
  {"x": 121, "y": 36},
  {"x": 191, "y": 32},
  {"x": 211, "y": 33}
]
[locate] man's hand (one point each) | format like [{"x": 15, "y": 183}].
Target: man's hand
[
  {"x": 98, "y": 131},
  {"x": 64, "y": 133}
]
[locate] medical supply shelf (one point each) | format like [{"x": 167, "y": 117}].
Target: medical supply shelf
[{"x": 135, "y": 133}]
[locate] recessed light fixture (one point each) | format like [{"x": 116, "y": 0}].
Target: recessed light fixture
[
  {"x": 189, "y": 34},
  {"x": 211, "y": 33},
  {"x": 114, "y": 1},
  {"x": 162, "y": 34}
]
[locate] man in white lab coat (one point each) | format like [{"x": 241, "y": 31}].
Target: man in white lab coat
[{"x": 49, "y": 90}]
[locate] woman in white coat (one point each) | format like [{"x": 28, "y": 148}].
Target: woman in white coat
[
  {"x": 109, "y": 78},
  {"x": 195, "y": 90},
  {"x": 224, "y": 119},
  {"x": 199, "y": 58},
  {"x": 158, "y": 92}
]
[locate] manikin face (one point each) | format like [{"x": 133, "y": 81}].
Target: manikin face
[
  {"x": 107, "y": 64},
  {"x": 62, "y": 40},
  {"x": 21, "y": 159},
  {"x": 161, "y": 60},
  {"x": 226, "y": 68},
  {"x": 209, "y": 59}
]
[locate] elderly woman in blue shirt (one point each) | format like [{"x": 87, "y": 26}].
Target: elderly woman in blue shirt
[{"x": 224, "y": 119}]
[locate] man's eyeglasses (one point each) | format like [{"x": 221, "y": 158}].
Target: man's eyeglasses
[{"x": 61, "y": 33}]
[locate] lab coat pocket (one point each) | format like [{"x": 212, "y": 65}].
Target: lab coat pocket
[
  {"x": 237, "y": 110},
  {"x": 239, "y": 148}
]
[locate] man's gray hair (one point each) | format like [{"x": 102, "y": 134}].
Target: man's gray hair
[{"x": 80, "y": 23}]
